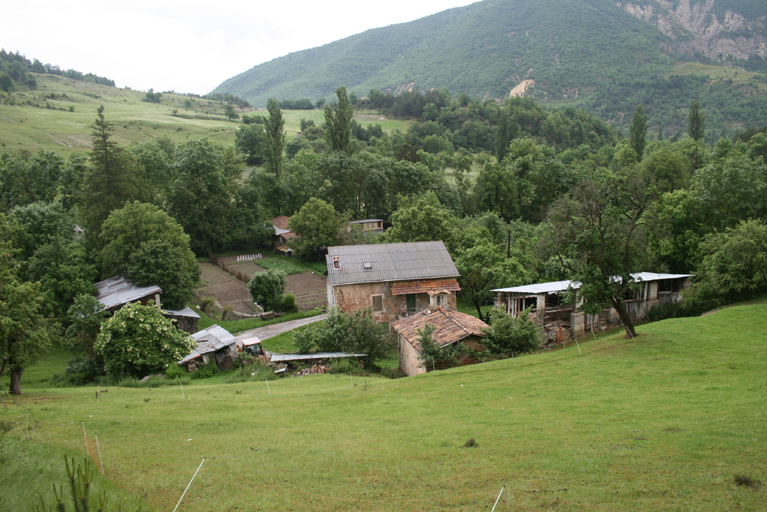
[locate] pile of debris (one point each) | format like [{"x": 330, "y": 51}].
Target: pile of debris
[{"x": 313, "y": 370}]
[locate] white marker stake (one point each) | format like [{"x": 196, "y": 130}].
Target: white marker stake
[
  {"x": 579, "y": 347},
  {"x": 267, "y": 387},
  {"x": 84, "y": 438},
  {"x": 187, "y": 487},
  {"x": 498, "y": 499},
  {"x": 99, "y": 450}
]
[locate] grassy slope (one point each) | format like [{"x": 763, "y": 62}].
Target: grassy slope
[
  {"x": 662, "y": 422},
  {"x": 26, "y": 127}
]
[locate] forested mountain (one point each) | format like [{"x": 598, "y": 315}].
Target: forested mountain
[{"x": 600, "y": 55}]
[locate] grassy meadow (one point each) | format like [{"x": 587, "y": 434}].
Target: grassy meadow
[
  {"x": 662, "y": 422},
  {"x": 59, "y": 114}
]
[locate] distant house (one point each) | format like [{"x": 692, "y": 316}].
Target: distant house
[
  {"x": 395, "y": 280},
  {"x": 214, "y": 344},
  {"x": 115, "y": 292},
  {"x": 561, "y": 318},
  {"x": 450, "y": 327},
  {"x": 367, "y": 225},
  {"x": 282, "y": 235}
]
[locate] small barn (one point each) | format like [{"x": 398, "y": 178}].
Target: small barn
[
  {"x": 450, "y": 327},
  {"x": 185, "y": 319},
  {"x": 117, "y": 291},
  {"x": 560, "y": 317},
  {"x": 214, "y": 344}
]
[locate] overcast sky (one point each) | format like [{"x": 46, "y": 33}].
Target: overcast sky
[{"x": 188, "y": 46}]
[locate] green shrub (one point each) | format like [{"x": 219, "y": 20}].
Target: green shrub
[
  {"x": 175, "y": 371},
  {"x": 209, "y": 370},
  {"x": 207, "y": 304},
  {"x": 344, "y": 365},
  {"x": 509, "y": 334},
  {"x": 288, "y": 303}
]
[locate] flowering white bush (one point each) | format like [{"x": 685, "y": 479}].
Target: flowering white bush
[{"x": 139, "y": 340}]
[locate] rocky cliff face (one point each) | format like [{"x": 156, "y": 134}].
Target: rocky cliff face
[{"x": 696, "y": 28}]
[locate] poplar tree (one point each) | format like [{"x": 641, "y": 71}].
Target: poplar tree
[
  {"x": 338, "y": 121},
  {"x": 696, "y": 126},
  {"x": 275, "y": 137},
  {"x": 638, "y": 131}
]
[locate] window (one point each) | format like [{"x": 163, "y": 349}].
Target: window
[{"x": 377, "y": 302}]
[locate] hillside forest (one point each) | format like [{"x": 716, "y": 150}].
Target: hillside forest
[{"x": 519, "y": 193}]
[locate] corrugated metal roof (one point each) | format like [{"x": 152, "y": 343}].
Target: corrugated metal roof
[
  {"x": 389, "y": 262},
  {"x": 118, "y": 290},
  {"x": 534, "y": 289},
  {"x": 285, "y": 358},
  {"x": 561, "y": 286},
  {"x": 209, "y": 340},
  {"x": 186, "y": 312},
  {"x": 364, "y": 220},
  {"x": 449, "y": 326}
]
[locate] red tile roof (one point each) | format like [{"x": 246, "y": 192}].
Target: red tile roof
[
  {"x": 408, "y": 287},
  {"x": 449, "y": 326},
  {"x": 280, "y": 221}
]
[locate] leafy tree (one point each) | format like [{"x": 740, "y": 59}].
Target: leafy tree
[
  {"x": 667, "y": 169},
  {"x": 250, "y": 140},
  {"x": 275, "y": 138},
  {"x": 230, "y": 113},
  {"x": 267, "y": 288},
  {"x": 349, "y": 333},
  {"x": 168, "y": 266},
  {"x": 731, "y": 188},
  {"x": 40, "y": 223},
  {"x": 63, "y": 271},
  {"x": 599, "y": 234},
  {"x": 24, "y": 332},
  {"x": 496, "y": 191},
  {"x": 85, "y": 316},
  {"x": 152, "y": 97},
  {"x": 638, "y": 131},
  {"x": 152, "y": 248},
  {"x": 110, "y": 182},
  {"x": 507, "y": 334},
  {"x": 734, "y": 265},
  {"x": 484, "y": 266},
  {"x": 696, "y": 123},
  {"x": 317, "y": 225},
  {"x": 507, "y": 131},
  {"x": 138, "y": 340},
  {"x": 338, "y": 121},
  {"x": 422, "y": 218},
  {"x": 201, "y": 197}
]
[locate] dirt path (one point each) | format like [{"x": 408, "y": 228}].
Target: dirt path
[{"x": 270, "y": 331}]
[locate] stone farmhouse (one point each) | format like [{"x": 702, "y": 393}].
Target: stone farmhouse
[
  {"x": 561, "y": 319},
  {"x": 395, "y": 280},
  {"x": 450, "y": 327}
]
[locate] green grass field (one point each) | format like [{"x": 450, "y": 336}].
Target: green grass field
[
  {"x": 662, "y": 422},
  {"x": 59, "y": 114}
]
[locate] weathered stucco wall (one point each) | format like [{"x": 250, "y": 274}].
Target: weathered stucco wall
[
  {"x": 353, "y": 297},
  {"x": 408, "y": 358}
]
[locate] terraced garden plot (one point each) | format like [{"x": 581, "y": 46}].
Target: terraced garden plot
[{"x": 226, "y": 288}]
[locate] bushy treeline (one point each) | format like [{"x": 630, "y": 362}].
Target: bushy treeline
[
  {"x": 14, "y": 69},
  {"x": 226, "y": 98}
]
